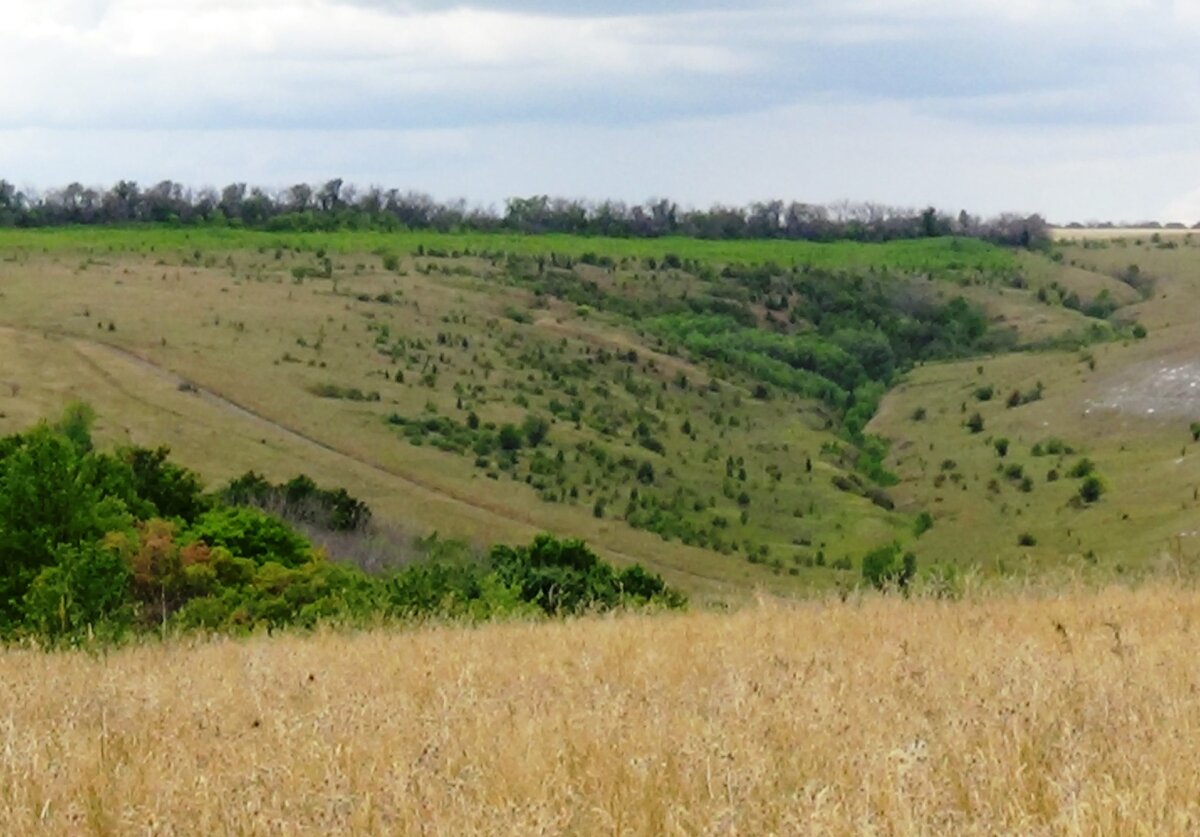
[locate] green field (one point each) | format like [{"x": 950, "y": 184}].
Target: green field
[{"x": 693, "y": 405}]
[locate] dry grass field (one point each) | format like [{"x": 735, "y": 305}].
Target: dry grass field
[{"x": 1031, "y": 713}]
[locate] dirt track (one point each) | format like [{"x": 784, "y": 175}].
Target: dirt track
[{"x": 91, "y": 353}]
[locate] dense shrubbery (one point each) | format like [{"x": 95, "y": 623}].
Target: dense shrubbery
[{"x": 101, "y": 545}]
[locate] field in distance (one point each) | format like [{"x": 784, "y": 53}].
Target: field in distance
[
  {"x": 695, "y": 406},
  {"x": 1025, "y": 715}
]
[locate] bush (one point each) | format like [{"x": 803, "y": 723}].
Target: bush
[
  {"x": 1091, "y": 489},
  {"x": 509, "y": 437},
  {"x": 77, "y": 564},
  {"x": 564, "y": 576},
  {"x": 975, "y": 423},
  {"x": 535, "y": 429},
  {"x": 1026, "y": 539},
  {"x": 251, "y": 533},
  {"x": 922, "y": 524},
  {"x": 86, "y": 591},
  {"x": 1082, "y": 468},
  {"x": 885, "y": 567}
]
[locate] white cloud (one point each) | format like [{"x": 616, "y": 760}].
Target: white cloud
[{"x": 1080, "y": 109}]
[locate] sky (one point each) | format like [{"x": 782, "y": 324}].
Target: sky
[{"x": 1081, "y": 111}]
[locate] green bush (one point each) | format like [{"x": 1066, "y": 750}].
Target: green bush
[
  {"x": 77, "y": 564},
  {"x": 1091, "y": 489},
  {"x": 251, "y": 533},
  {"x": 887, "y": 567},
  {"x": 85, "y": 591},
  {"x": 922, "y": 524},
  {"x": 564, "y": 576}
]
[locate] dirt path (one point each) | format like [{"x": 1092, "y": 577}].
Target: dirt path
[{"x": 85, "y": 350}]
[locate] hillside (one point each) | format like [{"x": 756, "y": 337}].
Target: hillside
[
  {"x": 696, "y": 406},
  {"x": 1039, "y": 714}
]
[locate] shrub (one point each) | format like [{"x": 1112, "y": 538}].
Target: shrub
[
  {"x": 885, "y": 566},
  {"x": 645, "y": 473},
  {"x": 922, "y": 524},
  {"x": 564, "y": 576},
  {"x": 975, "y": 423},
  {"x": 1082, "y": 468},
  {"x": 535, "y": 429},
  {"x": 85, "y": 591},
  {"x": 509, "y": 437},
  {"x": 1001, "y": 446},
  {"x": 1091, "y": 489},
  {"x": 250, "y": 533},
  {"x": 1026, "y": 539}
]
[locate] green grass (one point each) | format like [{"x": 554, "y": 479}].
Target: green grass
[
  {"x": 918, "y": 256},
  {"x": 265, "y": 321}
]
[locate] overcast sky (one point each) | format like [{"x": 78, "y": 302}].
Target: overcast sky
[{"x": 1079, "y": 110}]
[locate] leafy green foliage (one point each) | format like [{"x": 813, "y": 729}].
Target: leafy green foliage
[
  {"x": 886, "y": 566},
  {"x": 251, "y": 533},
  {"x": 87, "y": 552},
  {"x": 1091, "y": 489},
  {"x": 172, "y": 491},
  {"x": 300, "y": 500},
  {"x": 564, "y": 576}
]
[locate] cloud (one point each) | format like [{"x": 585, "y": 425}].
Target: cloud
[{"x": 979, "y": 103}]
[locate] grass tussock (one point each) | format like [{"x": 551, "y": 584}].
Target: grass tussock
[{"x": 1061, "y": 714}]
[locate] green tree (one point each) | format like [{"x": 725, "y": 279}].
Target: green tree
[
  {"x": 48, "y": 500},
  {"x": 509, "y": 437},
  {"x": 1091, "y": 489},
  {"x": 886, "y": 566},
  {"x": 84, "y": 591},
  {"x": 535, "y": 429}
]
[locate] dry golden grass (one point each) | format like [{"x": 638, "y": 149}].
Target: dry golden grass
[{"x": 1074, "y": 714}]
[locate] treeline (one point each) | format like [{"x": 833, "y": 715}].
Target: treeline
[
  {"x": 337, "y": 205},
  {"x": 98, "y": 545}
]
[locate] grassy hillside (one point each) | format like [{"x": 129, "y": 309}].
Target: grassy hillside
[
  {"x": 1127, "y": 407},
  {"x": 1053, "y": 714},
  {"x": 696, "y": 406}
]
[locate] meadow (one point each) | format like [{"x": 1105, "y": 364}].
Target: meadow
[
  {"x": 696, "y": 406},
  {"x": 1031, "y": 712}
]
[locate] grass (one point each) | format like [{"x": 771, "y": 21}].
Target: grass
[
  {"x": 1147, "y": 458},
  {"x": 909, "y": 255},
  {"x": 1069, "y": 713},
  {"x": 262, "y": 324}
]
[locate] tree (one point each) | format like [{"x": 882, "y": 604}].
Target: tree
[
  {"x": 48, "y": 500},
  {"x": 86, "y": 589},
  {"x": 172, "y": 490},
  {"x": 645, "y": 473},
  {"x": 1091, "y": 489},
  {"x": 509, "y": 437},
  {"x": 535, "y": 429},
  {"x": 886, "y": 566}
]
